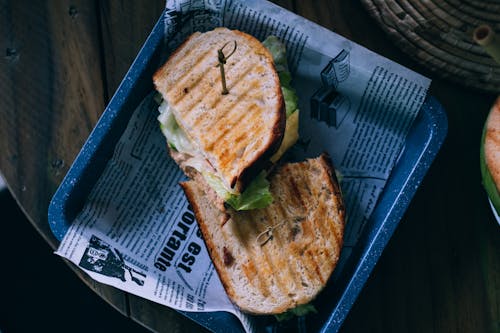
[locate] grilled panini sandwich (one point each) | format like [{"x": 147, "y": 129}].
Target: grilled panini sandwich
[
  {"x": 228, "y": 136},
  {"x": 274, "y": 259}
]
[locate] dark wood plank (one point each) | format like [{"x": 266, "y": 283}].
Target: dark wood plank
[
  {"x": 50, "y": 99},
  {"x": 125, "y": 27},
  {"x": 52, "y": 91}
]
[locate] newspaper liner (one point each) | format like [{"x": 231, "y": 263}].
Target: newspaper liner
[{"x": 137, "y": 232}]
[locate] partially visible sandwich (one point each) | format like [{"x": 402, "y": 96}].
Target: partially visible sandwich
[
  {"x": 490, "y": 156},
  {"x": 227, "y": 139},
  {"x": 277, "y": 258}
]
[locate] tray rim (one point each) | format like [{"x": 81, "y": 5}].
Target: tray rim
[
  {"x": 367, "y": 262},
  {"x": 57, "y": 207}
]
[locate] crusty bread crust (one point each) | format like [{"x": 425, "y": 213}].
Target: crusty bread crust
[
  {"x": 237, "y": 132},
  {"x": 492, "y": 143},
  {"x": 269, "y": 275}
]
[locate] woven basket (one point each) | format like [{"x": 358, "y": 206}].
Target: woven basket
[{"x": 438, "y": 34}]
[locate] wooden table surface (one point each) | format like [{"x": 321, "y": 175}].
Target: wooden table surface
[{"x": 62, "y": 61}]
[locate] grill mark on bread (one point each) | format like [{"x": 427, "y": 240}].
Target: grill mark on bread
[
  {"x": 297, "y": 208},
  {"x": 269, "y": 262},
  {"x": 167, "y": 71},
  {"x": 254, "y": 257},
  {"x": 318, "y": 224},
  {"x": 213, "y": 88},
  {"x": 222, "y": 129},
  {"x": 250, "y": 272},
  {"x": 281, "y": 242},
  {"x": 190, "y": 81},
  {"x": 239, "y": 148},
  {"x": 203, "y": 121},
  {"x": 327, "y": 252},
  {"x": 251, "y": 269},
  {"x": 309, "y": 259},
  {"x": 276, "y": 243},
  {"x": 228, "y": 153},
  {"x": 271, "y": 112},
  {"x": 229, "y": 149},
  {"x": 191, "y": 111},
  {"x": 285, "y": 273},
  {"x": 314, "y": 263},
  {"x": 242, "y": 76},
  {"x": 186, "y": 51},
  {"x": 336, "y": 228},
  {"x": 239, "y": 138},
  {"x": 235, "y": 107},
  {"x": 201, "y": 58},
  {"x": 183, "y": 52},
  {"x": 236, "y": 113},
  {"x": 209, "y": 74},
  {"x": 238, "y": 72},
  {"x": 327, "y": 230},
  {"x": 296, "y": 193},
  {"x": 325, "y": 191},
  {"x": 333, "y": 228},
  {"x": 228, "y": 121},
  {"x": 211, "y": 106},
  {"x": 302, "y": 265}
]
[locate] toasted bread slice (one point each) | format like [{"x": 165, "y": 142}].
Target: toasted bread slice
[
  {"x": 276, "y": 258},
  {"x": 237, "y": 132}
]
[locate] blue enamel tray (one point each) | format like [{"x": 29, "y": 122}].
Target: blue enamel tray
[{"x": 333, "y": 304}]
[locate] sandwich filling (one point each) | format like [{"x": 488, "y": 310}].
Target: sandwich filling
[
  {"x": 257, "y": 194},
  {"x": 278, "y": 258}
]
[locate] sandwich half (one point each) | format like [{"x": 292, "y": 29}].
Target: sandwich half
[
  {"x": 227, "y": 139},
  {"x": 277, "y": 258},
  {"x": 217, "y": 125}
]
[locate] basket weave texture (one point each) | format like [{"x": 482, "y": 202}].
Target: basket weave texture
[{"x": 438, "y": 34}]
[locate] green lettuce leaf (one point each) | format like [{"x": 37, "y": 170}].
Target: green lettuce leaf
[
  {"x": 256, "y": 195},
  {"x": 299, "y": 311},
  {"x": 291, "y": 100},
  {"x": 216, "y": 184},
  {"x": 278, "y": 52},
  {"x": 176, "y": 137}
]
